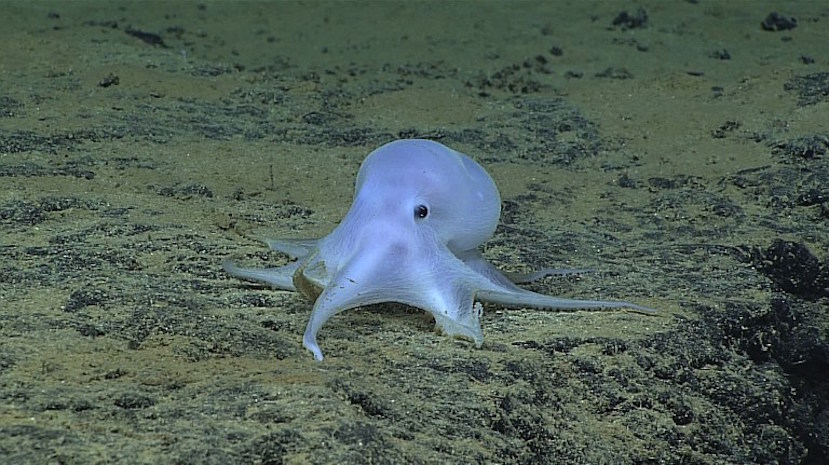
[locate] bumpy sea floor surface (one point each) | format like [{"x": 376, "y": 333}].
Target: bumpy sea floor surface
[{"x": 678, "y": 148}]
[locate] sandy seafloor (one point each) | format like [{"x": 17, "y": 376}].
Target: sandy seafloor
[{"x": 681, "y": 153}]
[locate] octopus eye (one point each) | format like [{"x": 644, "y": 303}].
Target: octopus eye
[{"x": 421, "y": 211}]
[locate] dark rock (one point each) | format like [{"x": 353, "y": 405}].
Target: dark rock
[
  {"x": 632, "y": 21},
  {"x": 777, "y": 22},
  {"x": 794, "y": 269}
]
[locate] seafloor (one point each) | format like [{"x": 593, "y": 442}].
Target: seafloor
[{"x": 679, "y": 148}]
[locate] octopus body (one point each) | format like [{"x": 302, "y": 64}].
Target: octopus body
[{"x": 412, "y": 235}]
